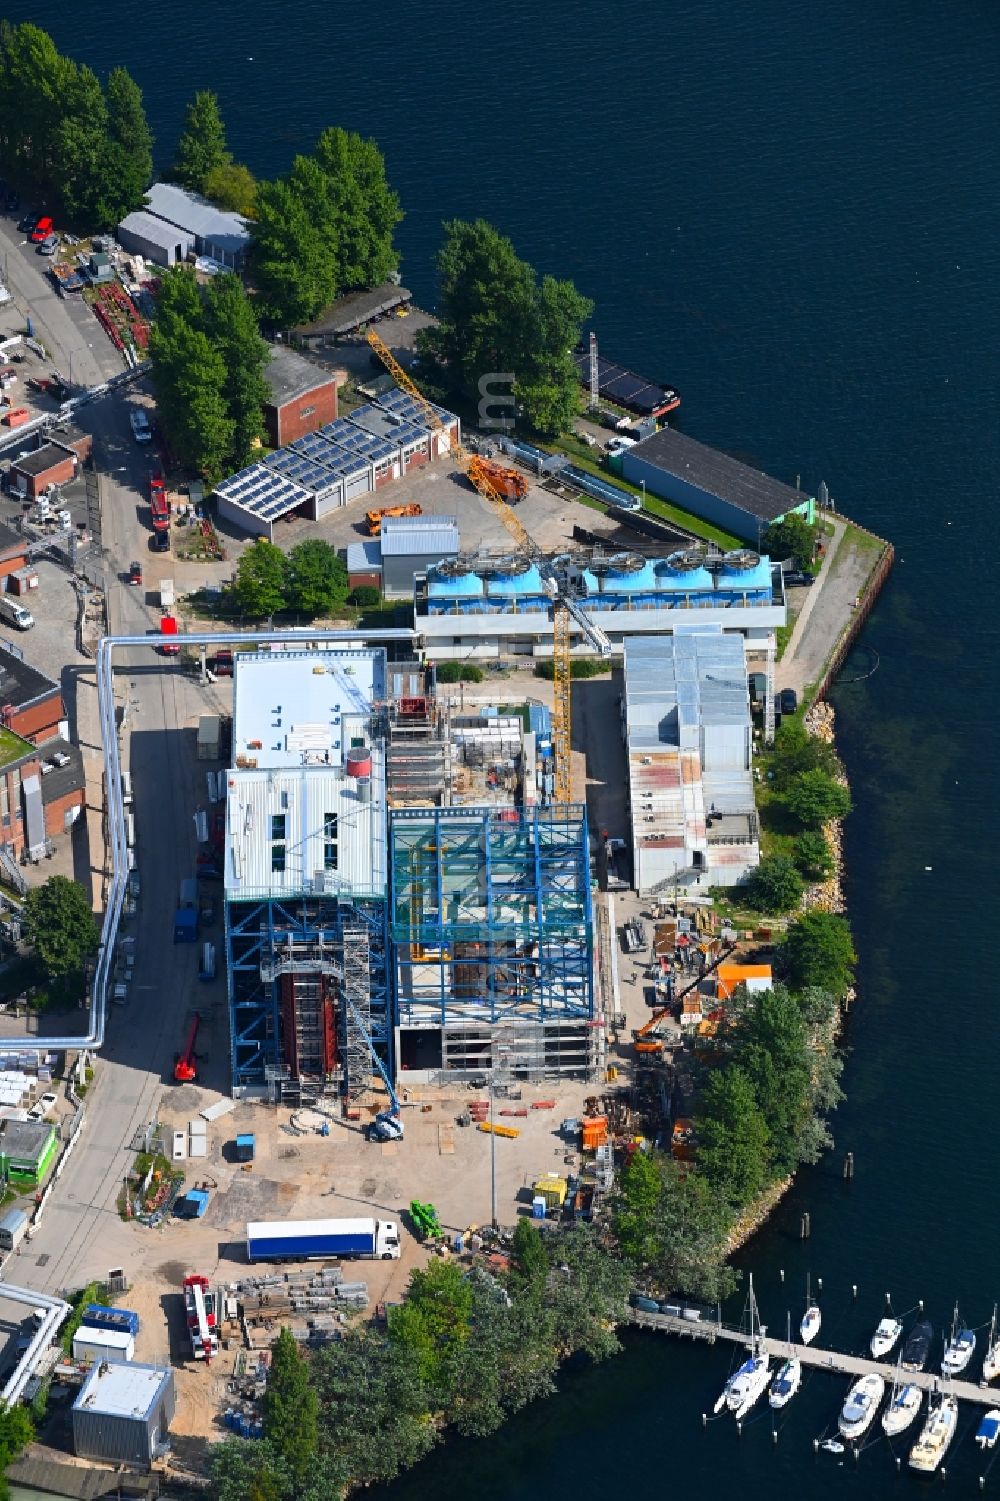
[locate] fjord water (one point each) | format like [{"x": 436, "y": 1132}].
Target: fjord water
[{"x": 790, "y": 210}]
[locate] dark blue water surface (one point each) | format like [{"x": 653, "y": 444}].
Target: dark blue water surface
[{"x": 790, "y": 209}]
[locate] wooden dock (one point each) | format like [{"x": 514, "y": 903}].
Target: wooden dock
[{"x": 833, "y": 1361}]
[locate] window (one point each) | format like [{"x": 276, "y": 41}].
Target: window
[
  {"x": 307, "y": 411},
  {"x": 278, "y": 859},
  {"x": 277, "y": 826},
  {"x": 330, "y": 857}
]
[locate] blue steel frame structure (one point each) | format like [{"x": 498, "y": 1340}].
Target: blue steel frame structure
[
  {"x": 257, "y": 933},
  {"x": 490, "y": 915}
]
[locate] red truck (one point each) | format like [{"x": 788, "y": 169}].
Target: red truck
[
  {"x": 159, "y": 506},
  {"x": 169, "y": 644}
]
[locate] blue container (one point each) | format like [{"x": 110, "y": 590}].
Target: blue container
[{"x": 538, "y": 1208}]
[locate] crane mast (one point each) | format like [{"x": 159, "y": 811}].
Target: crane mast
[{"x": 564, "y": 609}]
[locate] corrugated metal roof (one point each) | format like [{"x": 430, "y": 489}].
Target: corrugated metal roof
[
  {"x": 364, "y": 556},
  {"x": 149, "y": 227},
  {"x": 177, "y": 206},
  {"x": 421, "y": 536}
]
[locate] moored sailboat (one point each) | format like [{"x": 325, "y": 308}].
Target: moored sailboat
[{"x": 747, "y": 1385}]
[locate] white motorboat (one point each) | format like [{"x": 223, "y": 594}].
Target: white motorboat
[
  {"x": 936, "y": 1434},
  {"x": 959, "y": 1349},
  {"x": 832, "y": 1446},
  {"x": 811, "y": 1319},
  {"x": 786, "y": 1383},
  {"x": 885, "y": 1338},
  {"x": 862, "y": 1404},
  {"x": 747, "y": 1385},
  {"x": 989, "y": 1429},
  {"x": 904, "y": 1404},
  {"x": 991, "y": 1360}
]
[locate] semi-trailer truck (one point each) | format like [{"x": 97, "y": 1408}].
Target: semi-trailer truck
[{"x": 301, "y": 1240}]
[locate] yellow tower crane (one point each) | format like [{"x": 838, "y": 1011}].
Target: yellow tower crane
[{"x": 563, "y": 608}]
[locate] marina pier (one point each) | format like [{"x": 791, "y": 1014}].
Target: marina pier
[{"x": 833, "y": 1361}]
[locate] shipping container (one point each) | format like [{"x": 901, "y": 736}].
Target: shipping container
[
  {"x": 13, "y": 1228},
  {"x": 91, "y": 1344},
  {"x": 209, "y": 737},
  {"x": 186, "y": 925},
  {"x": 101, "y": 1316},
  {"x": 299, "y": 1240}
]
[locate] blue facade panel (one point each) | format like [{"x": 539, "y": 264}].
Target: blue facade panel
[
  {"x": 699, "y": 502},
  {"x": 302, "y": 1247}
]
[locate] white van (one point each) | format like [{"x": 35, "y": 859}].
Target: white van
[{"x": 15, "y": 613}]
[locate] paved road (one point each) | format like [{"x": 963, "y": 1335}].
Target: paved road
[
  {"x": 827, "y": 609},
  {"x": 79, "y": 348},
  {"x": 80, "y": 1234}
]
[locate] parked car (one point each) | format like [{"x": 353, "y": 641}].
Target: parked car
[
  {"x": 49, "y": 245},
  {"x": 141, "y": 430},
  {"x": 222, "y": 664},
  {"x": 135, "y": 573},
  {"x": 11, "y": 202},
  {"x": 27, "y": 224},
  {"x": 43, "y": 228},
  {"x": 796, "y": 580},
  {"x": 789, "y": 700},
  {"x": 160, "y": 542},
  {"x": 43, "y": 1107}
]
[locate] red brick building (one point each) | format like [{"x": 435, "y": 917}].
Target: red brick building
[
  {"x": 54, "y": 462},
  {"x": 42, "y": 793},
  {"x": 30, "y": 703},
  {"x": 303, "y": 397}
]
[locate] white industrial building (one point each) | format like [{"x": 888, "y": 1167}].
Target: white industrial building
[
  {"x": 688, "y": 739},
  {"x": 475, "y": 608},
  {"x": 176, "y": 224}
]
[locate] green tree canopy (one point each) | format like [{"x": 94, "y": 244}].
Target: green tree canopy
[
  {"x": 495, "y": 318},
  {"x": 232, "y": 186},
  {"x": 773, "y": 886},
  {"x": 639, "y": 1188},
  {"x": 690, "y": 1228},
  {"x": 795, "y": 750},
  {"x": 127, "y": 168},
  {"x": 374, "y": 1410},
  {"x": 261, "y": 580},
  {"x": 202, "y": 145},
  {"x": 433, "y": 1323},
  {"x": 764, "y": 1034},
  {"x": 818, "y": 951},
  {"x": 732, "y": 1137},
  {"x": 814, "y": 798},
  {"x": 363, "y": 207},
  {"x": 231, "y": 326},
  {"x": 291, "y": 1407},
  {"x": 60, "y": 925},
  {"x": 292, "y": 258},
  {"x": 317, "y": 579},
  {"x": 791, "y": 537},
  {"x": 529, "y": 1258},
  {"x": 507, "y": 1361},
  {"x": 812, "y": 855}
]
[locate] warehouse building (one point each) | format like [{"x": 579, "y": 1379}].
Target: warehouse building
[
  {"x": 711, "y": 485},
  {"x": 177, "y": 224},
  {"x": 303, "y": 396},
  {"x": 497, "y": 605},
  {"x": 27, "y": 1151},
  {"x": 491, "y": 928},
  {"x": 409, "y": 544},
  {"x": 305, "y": 874},
  {"x": 687, "y": 731},
  {"x": 364, "y": 564},
  {"x": 123, "y": 1414}
]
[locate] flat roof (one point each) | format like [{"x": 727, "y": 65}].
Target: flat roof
[
  {"x": 364, "y": 557},
  {"x": 290, "y": 375},
  {"x": 112, "y": 1339},
  {"x": 348, "y": 313},
  {"x": 419, "y": 536},
  {"x": 624, "y": 387},
  {"x": 295, "y": 703},
  {"x": 166, "y": 200},
  {"x": 406, "y": 408},
  {"x": 43, "y": 458},
  {"x": 20, "y": 683},
  {"x": 61, "y": 779},
  {"x": 263, "y": 492},
  {"x": 25, "y": 1139},
  {"x": 122, "y": 1390},
  {"x": 716, "y": 473},
  {"x": 14, "y": 748},
  {"x": 148, "y": 227}
]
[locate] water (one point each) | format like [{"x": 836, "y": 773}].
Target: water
[{"x": 790, "y": 210}]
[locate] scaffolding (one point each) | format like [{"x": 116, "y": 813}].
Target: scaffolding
[
  {"x": 301, "y": 972},
  {"x": 492, "y": 931}
]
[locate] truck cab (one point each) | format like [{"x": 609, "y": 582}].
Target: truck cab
[{"x": 387, "y": 1240}]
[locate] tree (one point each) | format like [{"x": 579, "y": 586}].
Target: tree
[
  {"x": 374, "y": 1418},
  {"x": 587, "y": 1294},
  {"x": 363, "y": 208},
  {"x": 773, "y": 886},
  {"x": 291, "y": 1406},
  {"x": 80, "y": 148},
  {"x": 635, "y": 1207},
  {"x": 365, "y": 596},
  {"x": 764, "y": 1034},
  {"x": 791, "y": 537},
  {"x": 732, "y": 1137},
  {"x": 529, "y": 1258},
  {"x": 202, "y": 145},
  {"x": 127, "y": 168},
  {"x": 507, "y": 1361},
  {"x": 818, "y": 951},
  {"x": 795, "y": 750},
  {"x": 242, "y": 1470},
  {"x": 232, "y": 186},
  {"x": 814, "y": 798},
  {"x": 231, "y": 326},
  {"x": 261, "y": 579},
  {"x": 34, "y": 80},
  {"x": 317, "y": 579},
  {"x": 433, "y": 1323},
  {"x": 16, "y": 1432},
  {"x": 812, "y": 855},
  {"x": 690, "y": 1229},
  {"x": 497, "y": 320},
  {"x": 292, "y": 259},
  {"x": 60, "y": 925}
]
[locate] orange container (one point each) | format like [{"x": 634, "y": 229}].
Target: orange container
[
  {"x": 595, "y": 1132},
  {"x": 16, "y": 417}
]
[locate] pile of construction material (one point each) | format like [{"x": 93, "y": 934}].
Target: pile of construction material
[{"x": 313, "y": 1305}]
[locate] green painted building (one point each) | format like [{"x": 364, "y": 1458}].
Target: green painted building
[{"x": 27, "y": 1151}]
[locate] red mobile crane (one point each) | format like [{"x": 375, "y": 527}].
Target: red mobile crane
[
  {"x": 159, "y": 506},
  {"x": 185, "y": 1069}
]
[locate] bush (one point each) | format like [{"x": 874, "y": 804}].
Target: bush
[
  {"x": 580, "y": 667},
  {"x": 471, "y": 674},
  {"x": 364, "y": 596},
  {"x": 449, "y": 672},
  {"x": 813, "y": 798},
  {"x": 818, "y": 951},
  {"x": 775, "y": 886},
  {"x": 792, "y": 537},
  {"x": 812, "y": 855}
]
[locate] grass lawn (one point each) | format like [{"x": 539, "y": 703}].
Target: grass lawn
[{"x": 12, "y": 747}]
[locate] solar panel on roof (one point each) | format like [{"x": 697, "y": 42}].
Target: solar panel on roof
[
  {"x": 355, "y": 439},
  {"x": 263, "y": 492}
]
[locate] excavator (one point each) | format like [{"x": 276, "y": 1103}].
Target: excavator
[{"x": 564, "y": 608}]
